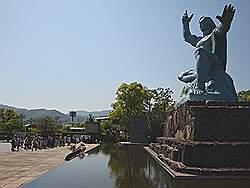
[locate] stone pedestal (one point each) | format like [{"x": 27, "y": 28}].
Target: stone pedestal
[
  {"x": 210, "y": 121},
  {"x": 213, "y": 136}
]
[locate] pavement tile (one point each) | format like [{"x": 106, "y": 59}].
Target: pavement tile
[{"x": 21, "y": 167}]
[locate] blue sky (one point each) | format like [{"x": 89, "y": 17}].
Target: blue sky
[{"x": 73, "y": 54}]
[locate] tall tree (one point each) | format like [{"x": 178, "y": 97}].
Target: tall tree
[
  {"x": 131, "y": 100},
  {"x": 161, "y": 102},
  {"x": 134, "y": 99},
  {"x": 110, "y": 130},
  {"x": 48, "y": 125},
  {"x": 10, "y": 121}
]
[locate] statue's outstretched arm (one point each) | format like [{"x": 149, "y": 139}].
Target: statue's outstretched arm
[
  {"x": 226, "y": 19},
  {"x": 188, "y": 37}
]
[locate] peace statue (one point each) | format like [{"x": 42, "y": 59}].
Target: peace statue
[{"x": 209, "y": 81}]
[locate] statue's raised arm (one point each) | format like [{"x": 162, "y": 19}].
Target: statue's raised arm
[
  {"x": 188, "y": 37},
  {"x": 226, "y": 18}
]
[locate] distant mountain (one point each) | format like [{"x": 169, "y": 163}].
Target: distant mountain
[
  {"x": 11, "y": 107},
  {"x": 35, "y": 114},
  {"x": 94, "y": 113}
]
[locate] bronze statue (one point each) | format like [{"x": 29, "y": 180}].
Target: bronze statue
[{"x": 209, "y": 81}]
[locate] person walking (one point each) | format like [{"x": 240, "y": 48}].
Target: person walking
[{"x": 13, "y": 143}]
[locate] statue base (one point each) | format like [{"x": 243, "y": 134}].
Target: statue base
[
  {"x": 207, "y": 138},
  {"x": 188, "y": 95}
]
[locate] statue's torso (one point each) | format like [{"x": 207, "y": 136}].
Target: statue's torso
[
  {"x": 206, "y": 43},
  {"x": 215, "y": 44}
]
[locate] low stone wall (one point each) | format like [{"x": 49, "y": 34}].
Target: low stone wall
[
  {"x": 205, "y": 154},
  {"x": 204, "y": 159}
]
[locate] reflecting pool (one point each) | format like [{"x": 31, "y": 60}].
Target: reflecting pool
[{"x": 119, "y": 166}]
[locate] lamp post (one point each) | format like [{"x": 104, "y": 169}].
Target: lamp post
[{"x": 72, "y": 114}]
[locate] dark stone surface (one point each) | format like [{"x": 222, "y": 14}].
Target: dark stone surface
[
  {"x": 206, "y": 154},
  {"x": 138, "y": 132},
  {"x": 92, "y": 127},
  {"x": 210, "y": 121},
  {"x": 200, "y": 171},
  {"x": 208, "y": 138}
]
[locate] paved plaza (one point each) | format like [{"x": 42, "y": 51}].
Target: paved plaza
[
  {"x": 20, "y": 167},
  {"x": 4, "y": 147}
]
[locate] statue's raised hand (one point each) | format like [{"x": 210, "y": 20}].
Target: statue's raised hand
[
  {"x": 186, "y": 19},
  {"x": 227, "y": 17}
]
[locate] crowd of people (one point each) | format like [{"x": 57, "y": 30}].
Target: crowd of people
[{"x": 40, "y": 142}]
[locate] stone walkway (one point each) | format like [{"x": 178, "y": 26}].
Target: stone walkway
[
  {"x": 4, "y": 147},
  {"x": 17, "y": 168}
]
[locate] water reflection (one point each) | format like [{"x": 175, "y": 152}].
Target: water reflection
[
  {"x": 120, "y": 167},
  {"x": 130, "y": 167}
]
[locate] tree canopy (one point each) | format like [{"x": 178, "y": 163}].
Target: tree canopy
[
  {"x": 131, "y": 99},
  {"x": 10, "y": 121},
  {"x": 244, "y": 95},
  {"x": 134, "y": 99},
  {"x": 48, "y": 125},
  {"x": 110, "y": 130},
  {"x": 160, "y": 103}
]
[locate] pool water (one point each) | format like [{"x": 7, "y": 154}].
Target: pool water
[
  {"x": 106, "y": 166},
  {"x": 118, "y": 166}
]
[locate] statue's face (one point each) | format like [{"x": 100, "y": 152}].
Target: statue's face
[{"x": 206, "y": 25}]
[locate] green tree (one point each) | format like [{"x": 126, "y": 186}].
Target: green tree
[
  {"x": 79, "y": 124},
  {"x": 10, "y": 121},
  {"x": 131, "y": 100},
  {"x": 244, "y": 95},
  {"x": 48, "y": 125},
  {"x": 160, "y": 103},
  {"x": 134, "y": 99},
  {"x": 110, "y": 130}
]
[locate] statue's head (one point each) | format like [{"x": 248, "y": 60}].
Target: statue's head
[{"x": 207, "y": 25}]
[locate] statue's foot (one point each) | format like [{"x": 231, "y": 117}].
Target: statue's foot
[{"x": 198, "y": 91}]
